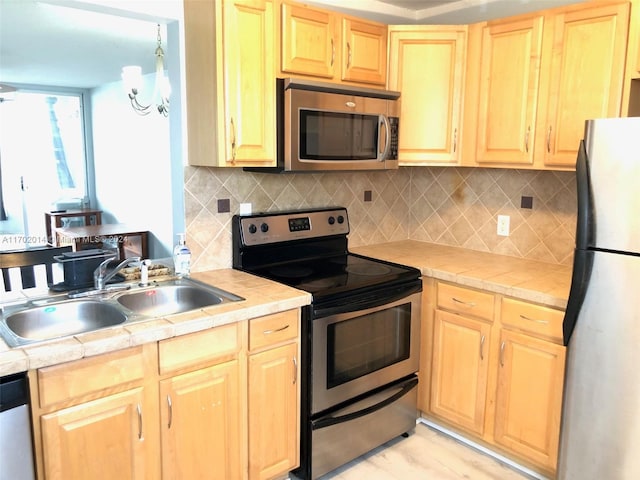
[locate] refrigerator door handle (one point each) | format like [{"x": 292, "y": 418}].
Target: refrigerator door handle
[
  {"x": 585, "y": 226},
  {"x": 582, "y": 265},
  {"x": 585, "y": 236}
]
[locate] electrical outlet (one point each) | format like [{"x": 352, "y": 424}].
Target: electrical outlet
[
  {"x": 503, "y": 225},
  {"x": 245, "y": 209}
]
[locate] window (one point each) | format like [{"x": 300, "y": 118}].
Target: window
[{"x": 43, "y": 162}]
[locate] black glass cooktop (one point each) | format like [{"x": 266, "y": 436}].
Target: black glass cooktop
[{"x": 337, "y": 274}]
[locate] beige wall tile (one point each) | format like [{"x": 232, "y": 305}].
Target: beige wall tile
[{"x": 450, "y": 206}]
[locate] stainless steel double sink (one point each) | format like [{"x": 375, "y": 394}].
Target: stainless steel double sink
[{"x": 43, "y": 319}]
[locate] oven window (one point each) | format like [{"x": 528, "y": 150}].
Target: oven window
[
  {"x": 362, "y": 345},
  {"x": 337, "y": 136}
]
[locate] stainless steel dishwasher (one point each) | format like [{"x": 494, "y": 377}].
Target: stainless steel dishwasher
[{"x": 16, "y": 448}]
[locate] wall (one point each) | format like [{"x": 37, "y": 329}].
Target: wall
[
  {"x": 132, "y": 165},
  {"x": 451, "y": 206}
]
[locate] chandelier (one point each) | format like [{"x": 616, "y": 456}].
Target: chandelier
[{"x": 132, "y": 79}]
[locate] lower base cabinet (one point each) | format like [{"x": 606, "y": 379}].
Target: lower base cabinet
[
  {"x": 494, "y": 372},
  {"x": 75, "y": 440},
  {"x": 200, "y": 418},
  {"x": 197, "y": 406}
]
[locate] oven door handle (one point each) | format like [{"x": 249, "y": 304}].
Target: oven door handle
[
  {"x": 327, "y": 422},
  {"x": 367, "y": 301}
]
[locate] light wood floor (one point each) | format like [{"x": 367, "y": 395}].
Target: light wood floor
[{"x": 426, "y": 454}]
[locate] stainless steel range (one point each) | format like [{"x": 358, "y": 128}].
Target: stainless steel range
[{"x": 360, "y": 335}]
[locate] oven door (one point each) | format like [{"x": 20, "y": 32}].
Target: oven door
[{"x": 356, "y": 352}]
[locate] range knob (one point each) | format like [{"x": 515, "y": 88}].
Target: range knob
[
  {"x": 332, "y": 220},
  {"x": 340, "y": 219},
  {"x": 264, "y": 228},
  {"x": 253, "y": 229}
]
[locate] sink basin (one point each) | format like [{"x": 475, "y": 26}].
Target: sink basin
[
  {"x": 175, "y": 297},
  {"x": 48, "y": 318},
  {"x": 60, "y": 319}
]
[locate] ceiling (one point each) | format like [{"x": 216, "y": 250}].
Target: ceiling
[{"x": 85, "y": 43}]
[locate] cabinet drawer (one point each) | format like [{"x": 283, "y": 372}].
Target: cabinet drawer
[
  {"x": 75, "y": 379},
  {"x": 273, "y": 329},
  {"x": 198, "y": 347},
  {"x": 536, "y": 319},
  {"x": 464, "y": 300}
]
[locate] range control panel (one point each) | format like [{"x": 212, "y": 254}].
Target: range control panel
[{"x": 263, "y": 228}]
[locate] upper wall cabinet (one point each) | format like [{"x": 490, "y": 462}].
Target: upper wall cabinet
[
  {"x": 585, "y": 78},
  {"x": 230, "y": 82},
  {"x": 332, "y": 47},
  {"x": 427, "y": 64},
  {"x": 539, "y": 78}
]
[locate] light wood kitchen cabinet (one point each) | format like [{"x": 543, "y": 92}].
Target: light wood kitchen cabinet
[
  {"x": 332, "y": 47},
  {"x": 230, "y": 82},
  {"x": 529, "y": 397},
  {"x": 540, "y": 77},
  {"x": 461, "y": 337},
  {"x": 200, "y": 417},
  {"x": 85, "y": 408},
  {"x": 308, "y": 41},
  {"x": 460, "y": 370},
  {"x": 584, "y": 77},
  {"x": 364, "y": 51},
  {"x": 508, "y": 93},
  {"x": 497, "y": 372},
  {"x": 273, "y": 395},
  {"x": 200, "y": 410},
  {"x": 530, "y": 373},
  {"x": 427, "y": 64}
]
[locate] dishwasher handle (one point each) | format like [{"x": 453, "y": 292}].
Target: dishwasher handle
[{"x": 14, "y": 391}]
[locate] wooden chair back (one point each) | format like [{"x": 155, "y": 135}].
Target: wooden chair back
[{"x": 27, "y": 260}]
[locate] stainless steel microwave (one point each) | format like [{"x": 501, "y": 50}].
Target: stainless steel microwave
[{"x": 325, "y": 126}]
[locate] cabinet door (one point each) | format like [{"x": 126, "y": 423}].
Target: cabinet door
[
  {"x": 586, "y": 77},
  {"x": 529, "y": 397},
  {"x": 364, "y": 51},
  {"x": 309, "y": 41},
  {"x": 460, "y": 368},
  {"x": 101, "y": 439},
  {"x": 249, "y": 67},
  {"x": 200, "y": 424},
  {"x": 510, "y": 70},
  {"x": 427, "y": 66},
  {"x": 273, "y": 412}
]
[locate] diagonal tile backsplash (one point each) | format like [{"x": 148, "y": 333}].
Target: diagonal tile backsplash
[{"x": 451, "y": 206}]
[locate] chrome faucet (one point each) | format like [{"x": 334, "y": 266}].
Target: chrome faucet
[{"x": 101, "y": 276}]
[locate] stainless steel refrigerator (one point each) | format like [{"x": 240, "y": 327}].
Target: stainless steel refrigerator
[{"x": 600, "y": 431}]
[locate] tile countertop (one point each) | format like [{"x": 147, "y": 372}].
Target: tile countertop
[
  {"x": 544, "y": 283},
  {"x": 262, "y": 297}
]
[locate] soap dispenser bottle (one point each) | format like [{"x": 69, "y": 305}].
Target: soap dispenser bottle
[{"x": 181, "y": 256}]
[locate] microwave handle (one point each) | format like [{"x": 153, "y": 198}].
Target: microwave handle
[{"x": 387, "y": 144}]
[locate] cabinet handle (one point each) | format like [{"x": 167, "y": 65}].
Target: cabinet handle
[
  {"x": 549, "y": 140},
  {"x": 333, "y": 52},
  {"x": 543, "y": 322},
  {"x": 348, "y": 55},
  {"x": 268, "y": 332},
  {"x": 526, "y": 139},
  {"x": 468, "y": 304},
  {"x": 170, "y": 407},
  {"x": 233, "y": 140},
  {"x": 502, "y": 345},
  {"x": 139, "y": 409},
  {"x": 482, "y": 347},
  {"x": 455, "y": 140},
  {"x": 295, "y": 370}
]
